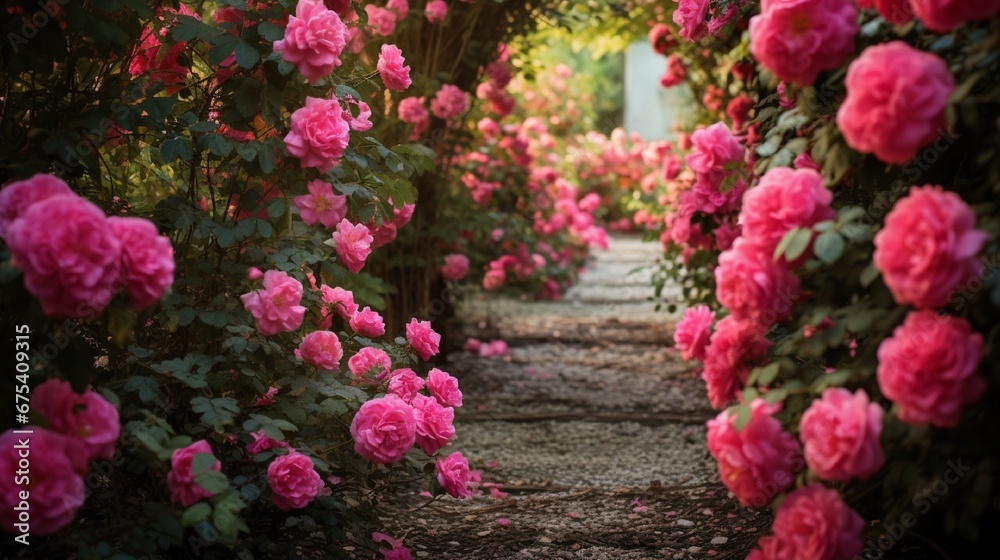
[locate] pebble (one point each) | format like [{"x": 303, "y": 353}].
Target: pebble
[
  {"x": 685, "y": 523},
  {"x": 720, "y": 540},
  {"x": 694, "y": 549}
]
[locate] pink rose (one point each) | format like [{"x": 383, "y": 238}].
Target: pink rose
[
  {"x": 369, "y": 358},
  {"x": 754, "y": 287},
  {"x": 455, "y": 267},
  {"x": 896, "y": 11},
  {"x": 398, "y": 551},
  {"x": 929, "y": 368},
  {"x": 675, "y": 74},
  {"x": 367, "y": 323},
  {"x": 261, "y": 442},
  {"x": 662, "y": 38},
  {"x": 339, "y": 300},
  {"x": 449, "y": 102},
  {"x": 444, "y": 388},
  {"x": 314, "y": 40},
  {"x": 87, "y": 417},
  {"x": 70, "y": 257},
  {"x": 321, "y": 205},
  {"x": 254, "y": 273},
  {"x": 928, "y": 247},
  {"x": 276, "y": 308},
  {"x": 944, "y": 15},
  {"x": 715, "y": 151},
  {"x": 797, "y": 39},
  {"x": 840, "y": 433},
  {"x": 735, "y": 348},
  {"x": 494, "y": 279},
  {"x": 693, "y": 331},
  {"x": 147, "y": 260},
  {"x": 494, "y": 348},
  {"x": 896, "y": 101},
  {"x": 473, "y": 345},
  {"x": 319, "y": 134},
  {"x": 738, "y": 110},
  {"x": 322, "y": 350},
  {"x": 436, "y": 11},
  {"x": 783, "y": 200},
  {"x": 726, "y": 234},
  {"x": 360, "y": 123},
  {"x": 402, "y": 215},
  {"x": 381, "y": 20},
  {"x": 382, "y": 234},
  {"x": 405, "y": 384},
  {"x": 422, "y": 338},
  {"x": 757, "y": 462},
  {"x": 395, "y": 76},
  {"x": 18, "y": 196},
  {"x": 57, "y": 490},
  {"x": 353, "y": 243},
  {"x": 690, "y": 15},
  {"x": 411, "y": 110},
  {"x": 399, "y": 7},
  {"x": 384, "y": 429},
  {"x": 293, "y": 480},
  {"x": 815, "y": 522},
  {"x": 181, "y": 480},
  {"x": 435, "y": 423},
  {"x": 454, "y": 476}
]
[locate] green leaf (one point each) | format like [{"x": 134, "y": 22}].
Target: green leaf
[
  {"x": 174, "y": 148},
  {"x": 352, "y": 189},
  {"x": 246, "y": 150},
  {"x": 764, "y": 375},
  {"x": 212, "y": 481},
  {"x": 270, "y": 32},
  {"x": 246, "y": 55},
  {"x": 147, "y": 387},
  {"x": 798, "y": 244},
  {"x": 264, "y": 228},
  {"x": 196, "y": 514},
  {"x": 266, "y": 157},
  {"x": 742, "y": 413},
  {"x": 829, "y": 246},
  {"x": 868, "y": 275},
  {"x": 202, "y": 462},
  {"x": 186, "y": 28},
  {"x": 218, "y": 144}
]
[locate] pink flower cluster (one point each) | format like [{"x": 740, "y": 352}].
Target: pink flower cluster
[
  {"x": 449, "y": 102},
  {"x": 813, "y": 520}
]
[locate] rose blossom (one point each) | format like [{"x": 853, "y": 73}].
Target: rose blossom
[
  {"x": 321, "y": 205},
  {"x": 18, "y": 196},
  {"x": 928, "y": 247},
  {"x": 690, "y": 15},
  {"x": 395, "y": 76},
  {"x": 276, "y": 308},
  {"x": 454, "y": 476},
  {"x": 57, "y": 488},
  {"x": 261, "y": 442},
  {"x": 362, "y": 122},
  {"x": 738, "y": 110},
  {"x": 734, "y": 349},
  {"x": 436, "y": 11},
  {"x": 147, "y": 260},
  {"x": 896, "y": 101},
  {"x": 293, "y": 480},
  {"x": 411, "y": 110},
  {"x": 181, "y": 480},
  {"x": 662, "y": 38},
  {"x": 757, "y": 462},
  {"x": 929, "y": 368},
  {"x": 944, "y": 15},
  {"x": 675, "y": 74},
  {"x": 400, "y": 7},
  {"x": 339, "y": 300},
  {"x": 714, "y": 150},
  {"x": 797, "y": 39},
  {"x": 693, "y": 331},
  {"x": 321, "y": 349},
  {"x": 422, "y": 338},
  {"x": 455, "y": 266},
  {"x": 840, "y": 433},
  {"x": 783, "y": 200},
  {"x": 405, "y": 384},
  {"x": 402, "y": 215},
  {"x": 319, "y": 134},
  {"x": 896, "y": 11},
  {"x": 381, "y": 20},
  {"x": 353, "y": 243},
  {"x": 398, "y": 551},
  {"x": 368, "y": 358},
  {"x": 754, "y": 287},
  {"x": 87, "y": 417},
  {"x": 314, "y": 40},
  {"x": 435, "y": 423},
  {"x": 444, "y": 388},
  {"x": 384, "y": 429},
  {"x": 815, "y": 522},
  {"x": 367, "y": 323},
  {"x": 494, "y": 279},
  {"x": 449, "y": 102}
]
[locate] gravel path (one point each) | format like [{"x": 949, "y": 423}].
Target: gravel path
[{"x": 591, "y": 425}]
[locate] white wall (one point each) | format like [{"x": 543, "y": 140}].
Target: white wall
[{"x": 650, "y": 109}]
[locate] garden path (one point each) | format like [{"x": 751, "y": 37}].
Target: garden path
[{"x": 593, "y": 427}]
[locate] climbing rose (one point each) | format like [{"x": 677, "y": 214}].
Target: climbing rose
[
  {"x": 183, "y": 488},
  {"x": 693, "y": 331},
  {"x": 690, "y": 15},
  {"x": 435, "y": 423},
  {"x": 783, "y": 200},
  {"x": 444, "y": 388},
  {"x": 339, "y": 300},
  {"x": 367, "y": 323},
  {"x": 455, "y": 267},
  {"x": 70, "y": 257},
  {"x": 400, "y": 7},
  {"x": 928, "y": 247},
  {"x": 405, "y": 383},
  {"x": 314, "y": 40},
  {"x": 662, "y": 39},
  {"x": 454, "y": 476},
  {"x": 754, "y": 287},
  {"x": 293, "y": 480},
  {"x": 402, "y": 216},
  {"x": 276, "y": 308},
  {"x": 675, "y": 74},
  {"x": 714, "y": 150},
  {"x": 384, "y": 429},
  {"x": 368, "y": 358},
  {"x": 147, "y": 260},
  {"x": 840, "y": 433},
  {"x": 321, "y": 205},
  {"x": 319, "y": 134},
  {"x": 738, "y": 110},
  {"x": 18, "y": 196},
  {"x": 895, "y": 11},
  {"x": 88, "y": 417},
  {"x": 813, "y": 522},
  {"x": 261, "y": 442},
  {"x": 395, "y": 76},
  {"x": 929, "y": 368},
  {"x": 422, "y": 338},
  {"x": 449, "y": 102},
  {"x": 411, "y": 110},
  {"x": 944, "y": 15},
  {"x": 57, "y": 489},
  {"x": 735, "y": 348},
  {"x": 797, "y": 39},
  {"x": 437, "y": 11},
  {"x": 362, "y": 122},
  {"x": 493, "y": 279},
  {"x": 757, "y": 462},
  {"x": 353, "y": 243},
  {"x": 381, "y": 20},
  {"x": 322, "y": 350},
  {"x": 896, "y": 101}
]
